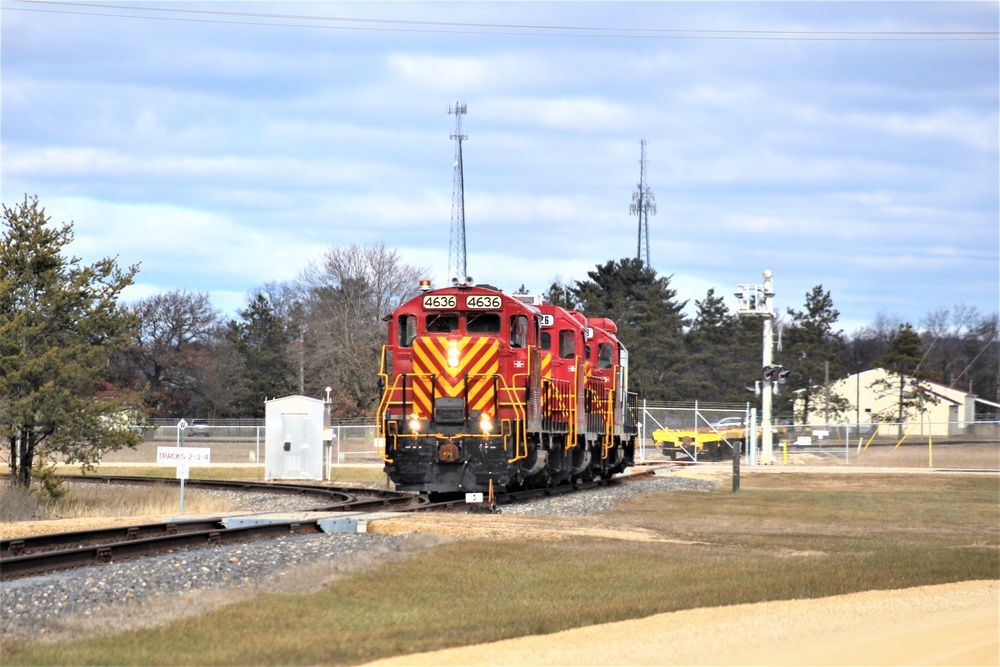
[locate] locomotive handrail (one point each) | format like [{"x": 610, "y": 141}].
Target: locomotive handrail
[
  {"x": 520, "y": 435},
  {"x": 383, "y": 406},
  {"x": 609, "y": 419}
]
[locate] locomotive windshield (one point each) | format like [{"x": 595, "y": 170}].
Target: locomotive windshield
[
  {"x": 605, "y": 356},
  {"x": 518, "y": 331},
  {"x": 482, "y": 323},
  {"x": 407, "y": 325},
  {"x": 437, "y": 323},
  {"x": 567, "y": 344}
]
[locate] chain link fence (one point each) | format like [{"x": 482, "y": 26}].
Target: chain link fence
[
  {"x": 243, "y": 442},
  {"x": 700, "y": 431}
]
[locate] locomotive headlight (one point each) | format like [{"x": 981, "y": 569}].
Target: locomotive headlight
[
  {"x": 453, "y": 355},
  {"x": 414, "y": 423},
  {"x": 485, "y": 423}
]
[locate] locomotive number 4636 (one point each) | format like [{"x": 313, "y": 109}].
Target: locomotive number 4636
[
  {"x": 439, "y": 301},
  {"x": 483, "y": 302}
]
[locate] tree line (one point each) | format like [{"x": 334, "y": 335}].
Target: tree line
[{"x": 77, "y": 364}]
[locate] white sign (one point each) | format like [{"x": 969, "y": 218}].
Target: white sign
[
  {"x": 803, "y": 440},
  {"x": 184, "y": 472},
  {"x": 821, "y": 434},
  {"x": 191, "y": 456},
  {"x": 473, "y": 498}
]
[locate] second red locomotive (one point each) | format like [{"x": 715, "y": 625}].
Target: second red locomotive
[{"x": 487, "y": 392}]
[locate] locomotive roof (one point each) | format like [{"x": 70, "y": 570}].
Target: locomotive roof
[{"x": 508, "y": 300}]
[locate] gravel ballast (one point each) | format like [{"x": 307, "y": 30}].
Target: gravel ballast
[{"x": 36, "y": 606}]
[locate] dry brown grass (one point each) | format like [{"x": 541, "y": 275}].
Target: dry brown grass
[
  {"x": 86, "y": 500},
  {"x": 972, "y": 457}
]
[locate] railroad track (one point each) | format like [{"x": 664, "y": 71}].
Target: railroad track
[
  {"x": 37, "y": 554},
  {"x": 25, "y": 556}
]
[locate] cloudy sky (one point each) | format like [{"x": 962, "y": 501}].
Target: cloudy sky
[{"x": 225, "y": 145}]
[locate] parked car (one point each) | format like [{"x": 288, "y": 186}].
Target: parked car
[
  {"x": 728, "y": 422},
  {"x": 198, "y": 427}
]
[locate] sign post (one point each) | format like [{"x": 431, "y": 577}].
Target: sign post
[{"x": 183, "y": 458}]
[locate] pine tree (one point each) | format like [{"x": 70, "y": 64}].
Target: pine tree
[
  {"x": 261, "y": 342},
  {"x": 649, "y": 319},
  {"x": 902, "y": 358},
  {"x": 813, "y": 351},
  {"x": 722, "y": 353},
  {"x": 59, "y": 322}
]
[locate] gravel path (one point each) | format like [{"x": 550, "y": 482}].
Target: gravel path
[{"x": 58, "y": 605}]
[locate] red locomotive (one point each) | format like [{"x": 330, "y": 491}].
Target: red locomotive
[{"x": 487, "y": 392}]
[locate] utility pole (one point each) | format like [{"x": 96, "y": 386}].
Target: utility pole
[
  {"x": 456, "y": 248},
  {"x": 756, "y": 301},
  {"x": 643, "y": 205}
]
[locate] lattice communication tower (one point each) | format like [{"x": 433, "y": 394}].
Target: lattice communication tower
[
  {"x": 643, "y": 205},
  {"x": 456, "y": 247}
]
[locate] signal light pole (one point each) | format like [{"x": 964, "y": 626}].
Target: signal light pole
[{"x": 755, "y": 301}]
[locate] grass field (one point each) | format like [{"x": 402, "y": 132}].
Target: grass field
[{"x": 784, "y": 536}]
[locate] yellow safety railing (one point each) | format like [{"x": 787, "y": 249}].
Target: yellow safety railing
[{"x": 609, "y": 418}]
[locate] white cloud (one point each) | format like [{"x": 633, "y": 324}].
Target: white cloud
[
  {"x": 962, "y": 127},
  {"x": 451, "y": 73},
  {"x": 182, "y": 248},
  {"x": 579, "y": 114}
]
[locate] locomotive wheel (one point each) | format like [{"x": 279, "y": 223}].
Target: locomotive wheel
[{"x": 448, "y": 453}]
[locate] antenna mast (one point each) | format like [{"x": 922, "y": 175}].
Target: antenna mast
[
  {"x": 456, "y": 247},
  {"x": 643, "y": 204}
]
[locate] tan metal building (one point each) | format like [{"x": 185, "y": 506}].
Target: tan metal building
[{"x": 873, "y": 396}]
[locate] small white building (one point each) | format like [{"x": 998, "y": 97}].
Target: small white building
[
  {"x": 293, "y": 445},
  {"x": 874, "y": 394}
]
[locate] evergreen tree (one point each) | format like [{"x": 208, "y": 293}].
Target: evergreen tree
[
  {"x": 261, "y": 343},
  {"x": 902, "y": 358},
  {"x": 813, "y": 350},
  {"x": 649, "y": 319},
  {"x": 562, "y": 295},
  {"x": 723, "y": 353},
  {"x": 59, "y": 322}
]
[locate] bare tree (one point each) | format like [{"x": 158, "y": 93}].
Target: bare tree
[
  {"x": 175, "y": 353},
  {"x": 344, "y": 298}
]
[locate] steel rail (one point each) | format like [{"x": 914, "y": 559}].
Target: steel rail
[
  {"x": 90, "y": 549},
  {"x": 16, "y": 546},
  {"x": 95, "y": 554}
]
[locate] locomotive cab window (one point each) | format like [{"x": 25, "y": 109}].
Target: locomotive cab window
[
  {"x": 519, "y": 331},
  {"x": 488, "y": 323},
  {"x": 438, "y": 323},
  {"x": 605, "y": 356},
  {"x": 567, "y": 344},
  {"x": 407, "y": 325},
  {"x": 545, "y": 341}
]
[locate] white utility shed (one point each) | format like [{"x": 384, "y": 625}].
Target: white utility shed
[{"x": 293, "y": 444}]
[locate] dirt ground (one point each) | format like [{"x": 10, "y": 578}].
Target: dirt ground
[{"x": 953, "y": 624}]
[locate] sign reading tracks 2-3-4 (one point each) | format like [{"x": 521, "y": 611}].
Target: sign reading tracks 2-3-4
[{"x": 186, "y": 456}]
